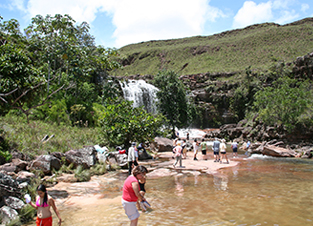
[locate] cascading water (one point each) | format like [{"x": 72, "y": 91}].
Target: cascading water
[{"x": 141, "y": 93}]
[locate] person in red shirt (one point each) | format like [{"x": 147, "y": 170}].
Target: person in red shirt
[{"x": 131, "y": 194}]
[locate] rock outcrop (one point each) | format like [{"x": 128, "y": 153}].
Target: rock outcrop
[
  {"x": 162, "y": 144},
  {"x": 46, "y": 163},
  {"x": 85, "y": 157}
]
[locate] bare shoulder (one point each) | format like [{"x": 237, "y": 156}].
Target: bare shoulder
[{"x": 50, "y": 199}]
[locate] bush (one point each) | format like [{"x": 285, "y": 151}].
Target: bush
[
  {"x": 98, "y": 169},
  {"x": 81, "y": 174}
]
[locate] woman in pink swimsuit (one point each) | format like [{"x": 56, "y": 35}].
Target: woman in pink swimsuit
[{"x": 43, "y": 204}]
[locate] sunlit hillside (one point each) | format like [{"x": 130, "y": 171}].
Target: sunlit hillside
[{"x": 257, "y": 46}]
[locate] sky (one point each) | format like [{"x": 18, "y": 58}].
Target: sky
[{"x": 116, "y": 23}]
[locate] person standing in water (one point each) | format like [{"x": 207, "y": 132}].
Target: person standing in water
[
  {"x": 131, "y": 194},
  {"x": 178, "y": 155},
  {"x": 223, "y": 151},
  {"x": 204, "y": 149},
  {"x": 43, "y": 204},
  {"x": 234, "y": 147},
  {"x": 195, "y": 146},
  {"x": 184, "y": 147},
  {"x": 216, "y": 150}
]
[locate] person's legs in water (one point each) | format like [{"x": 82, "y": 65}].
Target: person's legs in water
[
  {"x": 176, "y": 161},
  {"x": 180, "y": 161},
  {"x": 195, "y": 155}
]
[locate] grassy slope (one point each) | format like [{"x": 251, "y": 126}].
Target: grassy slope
[
  {"x": 27, "y": 137},
  {"x": 231, "y": 51}
]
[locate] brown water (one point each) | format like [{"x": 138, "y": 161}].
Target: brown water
[{"x": 259, "y": 191}]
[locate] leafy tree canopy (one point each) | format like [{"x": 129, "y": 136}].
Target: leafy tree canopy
[
  {"x": 121, "y": 123},
  {"x": 287, "y": 101},
  {"x": 173, "y": 101}
]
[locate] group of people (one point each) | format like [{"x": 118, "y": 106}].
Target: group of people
[{"x": 218, "y": 148}]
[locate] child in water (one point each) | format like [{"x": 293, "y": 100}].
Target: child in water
[{"x": 142, "y": 191}]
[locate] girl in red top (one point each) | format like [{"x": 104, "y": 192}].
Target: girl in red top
[{"x": 131, "y": 193}]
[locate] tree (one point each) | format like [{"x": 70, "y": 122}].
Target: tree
[
  {"x": 54, "y": 53},
  {"x": 21, "y": 83},
  {"x": 287, "y": 102},
  {"x": 121, "y": 123},
  {"x": 173, "y": 101}
]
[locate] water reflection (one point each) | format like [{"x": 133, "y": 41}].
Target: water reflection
[
  {"x": 220, "y": 181},
  {"x": 179, "y": 186}
]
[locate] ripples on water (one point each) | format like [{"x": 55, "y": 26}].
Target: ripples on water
[{"x": 259, "y": 191}]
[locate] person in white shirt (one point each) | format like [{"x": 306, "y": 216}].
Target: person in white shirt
[
  {"x": 223, "y": 151},
  {"x": 195, "y": 145},
  {"x": 131, "y": 158}
]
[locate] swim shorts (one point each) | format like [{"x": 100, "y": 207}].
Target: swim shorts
[
  {"x": 130, "y": 209},
  {"x": 44, "y": 221}
]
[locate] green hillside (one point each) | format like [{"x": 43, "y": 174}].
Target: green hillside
[{"x": 257, "y": 46}]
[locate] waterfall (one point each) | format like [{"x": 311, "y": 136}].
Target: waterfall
[{"x": 141, "y": 93}]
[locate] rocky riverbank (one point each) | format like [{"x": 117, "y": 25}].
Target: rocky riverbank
[{"x": 17, "y": 175}]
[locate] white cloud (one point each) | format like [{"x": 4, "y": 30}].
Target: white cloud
[
  {"x": 80, "y": 10},
  {"x": 304, "y": 7},
  {"x": 252, "y": 13},
  {"x": 134, "y": 20},
  {"x": 142, "y": 20},
  {"x": 19, "y": 4},
  {"x": 287, "y": 16},
  {"x": 282, "y": 4}
]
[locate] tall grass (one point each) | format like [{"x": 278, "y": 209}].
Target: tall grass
[{"x": 26, "y": 137}]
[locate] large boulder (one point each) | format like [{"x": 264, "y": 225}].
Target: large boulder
[
  {"x": 163, "y": 144},
  {"x": 143, "y": 154},
  {"x": 15, "y": 166},
  {"x": 8, "y": 167},
  {"x": 85, "y": 157},
  {"x": 275, "y": 151},
  {"x": 14, "y": 203},
  {"x": 24, "y": 176},
  {"x": 8, "y": 186},
  {"x": 46, "y": 163},
  {"x": 7, "y": 214},
  {"x": 119, "y": 159},
  {"x": 19, "y": 155}
]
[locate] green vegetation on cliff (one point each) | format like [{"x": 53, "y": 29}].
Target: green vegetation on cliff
[{"x": 257, "y": 46}]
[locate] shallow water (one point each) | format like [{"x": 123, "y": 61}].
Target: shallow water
[{"x": 259, "y": 191}]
